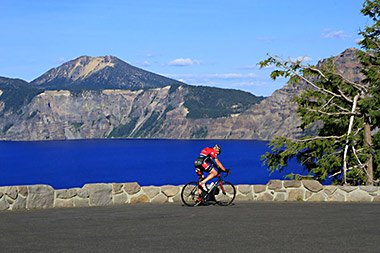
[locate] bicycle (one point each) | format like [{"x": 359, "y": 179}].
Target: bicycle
[{"x": 221, "y": 192}]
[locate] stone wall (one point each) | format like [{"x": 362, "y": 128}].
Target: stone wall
[{"x": 44, "y": 196}]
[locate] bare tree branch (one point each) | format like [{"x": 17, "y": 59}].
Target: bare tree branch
[
  {"x": 319, "y": 72},
  {"x": 328, "y": 102},
  {"x": 345, "y": 97},
  {"x": 322, "y": 138},
  {"x": 332, "y": 113},
  {"x": 343, "y": 109},
  {"x": 335, "y": 174},
  {"x": 356, "y": 85},
  {"x": 357, "y": 158},
  {"x": 308, "y": 81},
  {"x": 348, "y": 134}
]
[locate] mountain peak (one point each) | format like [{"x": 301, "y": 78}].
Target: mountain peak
[
  {"x": 84, "y": 66},
  {"x": 77, "y": 69},
  {"x": 102, "y": 72}
]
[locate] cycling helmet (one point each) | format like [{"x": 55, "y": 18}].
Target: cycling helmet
[{"x": 219, "y": 148}]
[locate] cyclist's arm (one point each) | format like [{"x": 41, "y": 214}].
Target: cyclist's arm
[{"x": 219, "y": 164}]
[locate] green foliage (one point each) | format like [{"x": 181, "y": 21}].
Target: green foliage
[
  {"x": 15, "y": 99},
  {"x": 151, "y": 125},
  {"x": 338, "y": 149},
  {"x": 209, "y": 102},
  {"x": 148, "y": 125},
  {"x": 76, "y": 125},
  {"x": 124, "y": 130},
  {"x": 199, "y": 132}
]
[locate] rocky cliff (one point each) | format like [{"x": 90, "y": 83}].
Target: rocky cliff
[
  {"x": 162, "y": 108},
  {"x": 152, "y": 113}
]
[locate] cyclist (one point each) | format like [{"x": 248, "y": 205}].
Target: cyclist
[{"x": 205, "y": 163}]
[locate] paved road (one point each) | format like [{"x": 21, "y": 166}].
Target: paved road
[{"x": 244, "y": 227}]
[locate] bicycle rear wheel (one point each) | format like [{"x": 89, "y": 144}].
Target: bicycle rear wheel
[
  {"x": 225, "y": 194},
  {"x": 189, "y": 193}
]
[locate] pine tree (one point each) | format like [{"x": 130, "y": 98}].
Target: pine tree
[{"x": 344, "y": 115}]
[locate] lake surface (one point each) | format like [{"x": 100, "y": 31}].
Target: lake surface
[{"x": 68, "y": 164}]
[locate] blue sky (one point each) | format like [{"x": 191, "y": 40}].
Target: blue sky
[{"x": 201, "y": 42}]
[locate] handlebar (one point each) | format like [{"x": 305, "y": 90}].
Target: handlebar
[{"x": 227, "y": 172}]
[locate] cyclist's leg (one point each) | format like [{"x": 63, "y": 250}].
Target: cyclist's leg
[
  {"x": 199, "y": 170},
  {"x": 212, "y": 174}
]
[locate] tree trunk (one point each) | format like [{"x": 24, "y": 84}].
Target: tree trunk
[
  {"x": 348, "y": 134},
  {"x": 368, "y": 142}
]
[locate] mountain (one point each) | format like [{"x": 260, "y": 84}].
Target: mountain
[
  {"x": 64, "y": 104},
  {"x": 276, "y": 115},
  {"x": 10, "y": 83},
  {"x": 96, "y": 73}
]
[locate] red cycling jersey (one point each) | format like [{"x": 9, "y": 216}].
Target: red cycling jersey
[
  {"x": 204, "y": 161},
  {"x": 209, "y": 151}
]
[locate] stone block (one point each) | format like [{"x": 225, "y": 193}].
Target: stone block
[
  {"x": 265, "y": 197},
  {"x": 117, "y": 188},
  {"x": 259, "y": 188},
  {"x": 280, "y": 197},
  {"x": 292, "y": 184},
  {"x": 312, "y": 185},
  {"x": 65, "y": 193},
  {"x": 369, "y": 188},
  {"x": 20, "y": 203},
  {"x": 176, "y": 198},
  {"x": 11, "y": 191},
  {"x": 376, "y": 199},
  {"x": 99, "y": 194},
  {"x": 81, "y": 202},
  {"x": 132, "y": 188},
  {"x": 23, "y": 190},
  {"x": 4, "y": 205},
  {"x": 160, "y": 198},
  {"x": 40, "y": 196},
  {"x": 1, "y": 195},
  {"x": 296, "y": 195},
  {"x": 243, "y": 197},
  {"x": 151, "y": 191},
  {"x": 330, "y": 189},
  {"x": 318, "y": 197},
  {"x": 275, "y": 185},
  {"x": 338, "y": 195},
  {"x": 359, "y": 196},
  {"x": 63, "y": 203},
  {"x": 244, "y": 189},
  {"x": 82, "y": 192},
  {"x": 120, "y": 199},
  {"x": 347, "y": 188},
  {"x": 170, "y": 190},
  {"x": 139, "y": 199}
]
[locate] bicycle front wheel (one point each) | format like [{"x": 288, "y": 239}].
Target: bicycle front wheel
[
  {"x": 225, "y": 193},
  {"x": 190, "y": 193}
]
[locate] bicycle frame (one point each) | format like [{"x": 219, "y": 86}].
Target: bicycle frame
[
  {"x": 206, "y": 195},
  {"x": 221, "y": 192}
]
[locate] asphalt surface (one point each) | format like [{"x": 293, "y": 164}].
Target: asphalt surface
[{"x": 243, "y": 227}]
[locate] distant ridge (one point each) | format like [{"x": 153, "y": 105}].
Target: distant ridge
[
  {"x": 95, "y": 73},
  {"x": 12, "y": 83},
  {"x": 104, "y": 97}
]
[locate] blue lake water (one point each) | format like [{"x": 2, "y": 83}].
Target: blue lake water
[{"x": 68, "y": 164}]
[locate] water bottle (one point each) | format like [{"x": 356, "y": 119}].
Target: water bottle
[{"x": 211, "y": 185}]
